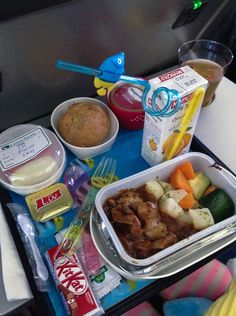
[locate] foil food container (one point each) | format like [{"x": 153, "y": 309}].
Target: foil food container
[
  {"x": 218, "y": 175},
  {"x": 165, "y": 267}
]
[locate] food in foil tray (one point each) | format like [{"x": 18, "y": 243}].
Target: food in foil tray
[{"x": 157, "y": 214}]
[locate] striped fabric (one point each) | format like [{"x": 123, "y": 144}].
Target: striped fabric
[
  {"x": 210, "y": 281},
  {"x": 143, "y": 309}
]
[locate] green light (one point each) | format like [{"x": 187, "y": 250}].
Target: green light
[{"x": 197, "y": 4}]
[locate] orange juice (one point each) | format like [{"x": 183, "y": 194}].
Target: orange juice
[{"x": 160, "y": 133}]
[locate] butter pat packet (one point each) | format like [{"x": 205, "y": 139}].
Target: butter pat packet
[{"x": 50, "y": 202}]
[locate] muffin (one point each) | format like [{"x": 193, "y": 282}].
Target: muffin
[{"x": 84, "y": 124}]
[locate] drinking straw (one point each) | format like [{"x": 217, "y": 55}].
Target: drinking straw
[
  {"x": 112, "y": 70},
  {"x": 190, "y": 111}
]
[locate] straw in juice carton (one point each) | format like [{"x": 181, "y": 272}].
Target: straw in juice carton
[{"x": 161, "y": 133}]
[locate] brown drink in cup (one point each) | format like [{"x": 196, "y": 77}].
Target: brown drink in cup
[
  {"x": 210, "y": 59},
  {"x": 211, "y": 71}
]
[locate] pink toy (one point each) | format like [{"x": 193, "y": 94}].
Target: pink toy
[{"x": 143, "y": 309}]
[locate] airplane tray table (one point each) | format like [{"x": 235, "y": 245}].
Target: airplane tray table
[
  {"x": 128, "y": 294},
  {"x": 215, "y": 130}
]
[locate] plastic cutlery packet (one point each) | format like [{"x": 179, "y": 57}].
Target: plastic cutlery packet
[
  {"x": 103, "y": 175},
  {"x": 32, "y": 245}
]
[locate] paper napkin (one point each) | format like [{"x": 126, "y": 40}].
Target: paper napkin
[{"x": 14, "y": 278}]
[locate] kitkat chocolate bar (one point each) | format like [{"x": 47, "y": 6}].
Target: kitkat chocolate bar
[{"x": 72, "y": 284}]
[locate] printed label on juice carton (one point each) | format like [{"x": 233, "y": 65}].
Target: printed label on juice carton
[{"x": 160, "y": 133}]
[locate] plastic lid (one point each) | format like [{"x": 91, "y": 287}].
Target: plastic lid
[
  {"x": 29, "y": 155},
  {"x": 127, "y": 97}
]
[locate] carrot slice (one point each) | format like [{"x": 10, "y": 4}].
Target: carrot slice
[
  {"x": 188, "y": 201},
  {"x": 172, "y": 175},
  {"x": 178, "y": 180},
  {"x": 210, "y": 189},
  {"x": 187, "y": 169}
]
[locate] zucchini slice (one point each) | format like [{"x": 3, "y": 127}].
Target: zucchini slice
[
  {"x": 219, "y": 203},
  {"x": 199, "y": 184}
]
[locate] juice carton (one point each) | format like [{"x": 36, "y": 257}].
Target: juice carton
[{"x": 159, "y": 132}]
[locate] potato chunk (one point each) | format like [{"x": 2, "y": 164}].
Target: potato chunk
[
  {"x": 154, "y": 188},
  {"x": 171, "y": 208},
  {"x": 201, "y": 217}
]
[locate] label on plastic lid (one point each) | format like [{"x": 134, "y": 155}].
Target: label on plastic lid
[
  {"x": 23, "y": 148},
  {"x": 127, "y": 96}
]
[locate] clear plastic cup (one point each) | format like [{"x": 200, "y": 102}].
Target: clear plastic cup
[
  {"x": 35, "y": 170},
  {"x": 210, "y": 59}
]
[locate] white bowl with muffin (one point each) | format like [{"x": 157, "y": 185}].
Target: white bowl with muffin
[{"x": 86, "y": 126}]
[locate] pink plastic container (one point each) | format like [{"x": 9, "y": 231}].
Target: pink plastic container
[{"x": 125, "y": 101}]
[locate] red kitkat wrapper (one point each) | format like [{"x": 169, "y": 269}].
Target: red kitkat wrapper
[{"x": 73, "y": 284}]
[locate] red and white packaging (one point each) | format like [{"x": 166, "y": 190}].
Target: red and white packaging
[{"x": 73, "y": 284}]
